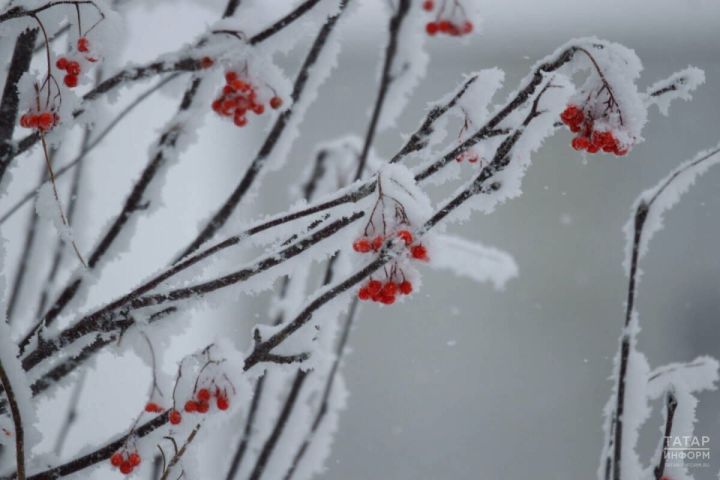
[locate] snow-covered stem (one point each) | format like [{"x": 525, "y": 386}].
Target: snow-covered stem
[
  {"x": 25, "y": 255},
  {"x": 60, "y": 243},
  {"x": 223, "y": 213},
  {"x": 638, "y": 243},
  {"x": 418, "y": 140},
  {"x": 237, "y": 459},
  {"x": 99, "y": 455},
  {"x": 70, "y": 415},
  {"x": 136, "y": 201},
  {"x": 17, "y": 422},
  {"x": 386, "y": 79},
  {"x": 97, "y": 139},
  {"x": 86, "y": 325},
  {"x": 271, "y": 441},
  {"x": 9, "y": 104},
  {"x": 671, "y": 404},
  {"x": 329, "y": 383},
  {"x": 179, "y": 454}
]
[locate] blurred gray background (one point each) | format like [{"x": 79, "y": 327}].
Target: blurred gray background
[{"x": 466, "y": 382}]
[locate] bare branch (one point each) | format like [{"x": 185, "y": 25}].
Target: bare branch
[
  {"x": 385, "y": 79},
  {"x": 17, "y": 421},
  {"x": 670, "y": 406}
]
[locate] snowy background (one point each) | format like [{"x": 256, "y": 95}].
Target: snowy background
[{"x": 464, "y": 379}]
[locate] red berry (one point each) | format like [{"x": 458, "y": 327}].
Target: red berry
[
  {"x": 428, "y": 5},
  {"x": 431, "y": 28},
  {"x": 592, "y": 148},
  {"x": 580, "y": 143},
  {"x": 223, "y": 403},
  {"x": 240, "y": 120},
  {"x": 419, "y": 252},
  {"x": 240, "y": 85},
  {"x": 389, "y": 290},
  {"x": 203, "y": 394},
  {"x": 444, "y": 26},
  {"x": 217, "y": 105},
  {"x": 364, "y": 294},
  {"x": 153, "y": 407},
  {"x": 71, "y": 80},
  {"x": 134, "y": 459},
  {"x": 572, "y": 115},
  {"x": 387, "y": 299},
  {"x": 258, "y": 108},
  {"x": 174, "y": 417},
  {"x": 467, "y": 27},
  {"x": 116, "y": 459},
  {"x": 406, "y": 236},
  {"x": 203, "y": 407},
  {"x": 61, "y": 63},
  {"x": 377, "y": 242},
  {"x": 126, "y": 468},
  {"x": 26, "y": 120},
  {"x": 374, "y": 287},
  {"x": 230, "y": 77},
  {"x": 206, "y": 62},
  {"x": 406, "y": 287},
  {"x": 83, "y": 45},
  {"x": 73, "y": 67},
  {"x": 33, "y": 121},
  {"x": 45, "y": 121},
  {"x": 361, "y": 245},
  {"x": 191, "y": 406},
  {"x": 276, "y": 102}
]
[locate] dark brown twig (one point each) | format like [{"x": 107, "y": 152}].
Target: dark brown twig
[
  {"x": 17, "y": 421},
  {"x": 670, "y": 406},
  {"x": 386, "y": 79}
]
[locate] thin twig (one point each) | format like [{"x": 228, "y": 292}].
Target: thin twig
[
  {"x": 329, "y": 383},
  {"x": 176, "y": 458},
  {"x": 17, "y": 421},
  {"x": 386, "y": 79},
  {"x": 251, "y": 174},
  {"x": 670, "y": 406}
]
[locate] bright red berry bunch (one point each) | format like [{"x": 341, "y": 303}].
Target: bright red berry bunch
[
  {"x": 203, "y": 398},
  {"x": 396, "y": 282},
  {"x": 125, "y": 461},
  {"x": 239, "y": 96},
  {"x": 72, "y": 71},
  {"x": 452, "y": 25},
  {"x": 589, "y": 139},
  {"x": 366, "y": 244},
  {"x": 43, "y": 121},
  {"x": 385, "y": 293}
]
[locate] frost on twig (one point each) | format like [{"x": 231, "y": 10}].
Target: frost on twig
[{"x": 628, "y": 408}]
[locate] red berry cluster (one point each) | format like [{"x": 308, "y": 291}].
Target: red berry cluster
[
  {"x": 71, "y": 67},
  {"x": 589, "y": 139},
  {"x": 125, "y": 461},
  {"x": 201, "y": 404},
  {"x": 42, "y": 121},
  {"x": 441, "y": 24},
  {"x": 72, "y": 71},
  {"x": 240, "y": 96},
  {"x": 386, "y": 292},
  {"x": 365, "y": 245}
]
